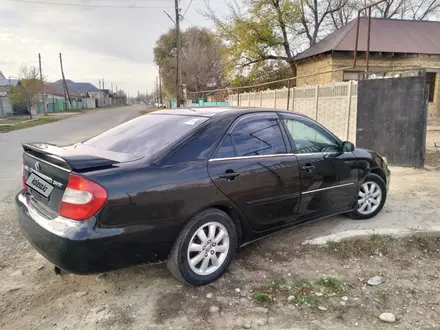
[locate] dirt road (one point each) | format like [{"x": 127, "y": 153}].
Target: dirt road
[{"x": 273, "y": 284}]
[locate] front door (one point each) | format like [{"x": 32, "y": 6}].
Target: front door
[
  {"x": 255, "y": 168},
  {"x": 329, "y": 176}
]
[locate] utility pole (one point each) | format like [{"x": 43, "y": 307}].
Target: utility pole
[
  {"x": 43, "y": 99},
  {"x": 160, "y": 88},
  {"x": 179, "y": 69},
  {"x": 157, "y": 91},
  {"x": 100, "y": 96},
  {"x": 66, "y": 90}
]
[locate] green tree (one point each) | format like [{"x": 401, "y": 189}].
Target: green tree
[
  {"x": 26, "y": 93},
  {"x": 202, "y": 59},
  {"x": 270, "y": 71},
  {"x": 258, "y": 36}
]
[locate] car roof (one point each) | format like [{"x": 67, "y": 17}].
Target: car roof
[{"x": 214, "y": 111}]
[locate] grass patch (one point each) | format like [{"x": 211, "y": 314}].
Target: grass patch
[
  {"x": 263, "y": 298},
  {"x": 36, "y": 122},
  {"x": 332, "y": 285},
  {"x": 374, "y": 245},
  {"x": 300, "y": 292},
  {"x": 424, "y": 243}
]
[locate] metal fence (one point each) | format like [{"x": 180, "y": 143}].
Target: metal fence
[{"x": 334, "y": 105}]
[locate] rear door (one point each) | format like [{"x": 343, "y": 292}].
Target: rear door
[
  {"x": 255, "y": 168},
  {"x": 329, "y": 176}
]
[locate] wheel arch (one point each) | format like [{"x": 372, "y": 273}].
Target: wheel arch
[
  {"x": 235, "y": 215},
  {"x": 380, "y": 173}
]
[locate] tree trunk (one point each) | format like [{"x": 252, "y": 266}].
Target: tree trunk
[
  {"x": 29, "y": 112},
  {"x": 292, "y": 65}
]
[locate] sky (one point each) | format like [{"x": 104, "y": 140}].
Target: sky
[{"x": 113, "y": 44}]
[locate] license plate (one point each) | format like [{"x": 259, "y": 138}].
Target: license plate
[{"x": 39, "y": 185}]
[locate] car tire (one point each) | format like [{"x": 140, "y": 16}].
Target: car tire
[
  {"x": 369, "y": 205},
  {"x": 215, "y": 224}
]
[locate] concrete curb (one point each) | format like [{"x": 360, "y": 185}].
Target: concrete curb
[{"x": 364, "y": 234}]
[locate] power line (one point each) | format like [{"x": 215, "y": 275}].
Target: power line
[
  {"x": 84, "y": 5},
  {"x": 187, "y": 8}
]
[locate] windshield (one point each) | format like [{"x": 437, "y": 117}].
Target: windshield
[{"x": 146, "y": 134}]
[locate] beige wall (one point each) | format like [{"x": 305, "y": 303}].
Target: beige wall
[
  {"x": 315, "y": 66},
  {"x": 332, "y": 105},
  {"x": 396, "y": 63}
]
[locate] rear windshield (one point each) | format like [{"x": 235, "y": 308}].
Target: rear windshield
[{"x": 146, "y": 134}]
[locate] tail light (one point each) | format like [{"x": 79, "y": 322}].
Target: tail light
[
  {"x": 82, "y": 198},
  {"x": 23, "y": 177}
]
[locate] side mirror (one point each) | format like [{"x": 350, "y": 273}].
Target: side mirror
[{"x": 347, "y": 146}]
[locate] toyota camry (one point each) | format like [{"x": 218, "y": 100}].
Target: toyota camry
[{"x": 188, "y": 187}]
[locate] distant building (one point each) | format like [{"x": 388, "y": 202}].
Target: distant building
[
  {"x": 5, "y": 103},
  {"x": 5, "y": 87},
  {"x": 76, "y": 90},
  {"x": 395, "y": 45}
]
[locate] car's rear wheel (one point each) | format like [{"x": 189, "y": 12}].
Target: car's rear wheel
[
  {"x": 371, "y": 198},
  {"x": 204, "y": 249}
]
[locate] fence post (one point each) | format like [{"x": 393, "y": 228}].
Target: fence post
[
  {"x": 275, "y": 98},
  {"x": 261, "y": 99},
  {"x": 238, "y": 99},
  {"x": 288, "y": 94},
  {"x": 347, "y": 127},
  {"x": 316, "y": 102},
  {"x": 249, "y": 99}
]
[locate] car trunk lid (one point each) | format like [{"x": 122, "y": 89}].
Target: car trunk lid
[{"x": 46, "y": 170}]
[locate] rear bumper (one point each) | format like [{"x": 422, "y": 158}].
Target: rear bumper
[{"x": 82, "y": 247}]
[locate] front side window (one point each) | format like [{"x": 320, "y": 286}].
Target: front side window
[
  {"x": 310, "y": 139},
  {"x": 253, "y": 136}
]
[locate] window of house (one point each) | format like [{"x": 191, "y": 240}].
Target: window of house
[
  {"x": 350, "y": 75},
  {"x": 430, "y": 82}
]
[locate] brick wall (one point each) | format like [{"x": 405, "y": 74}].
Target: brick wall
[
  {"x": 380, "y": 63},
  {"x": 312, "y": 68},
  {"x": 391, "y": 64}
]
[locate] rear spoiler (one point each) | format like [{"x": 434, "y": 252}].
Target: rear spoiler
[{"x": 70, "y": 159}]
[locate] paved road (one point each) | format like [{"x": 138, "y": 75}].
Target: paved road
[{"x": 65, "y": 131}]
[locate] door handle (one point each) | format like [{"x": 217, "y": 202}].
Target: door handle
[
  {"x": 229, "y": 174},
  {"x": 308, "y": 168}
]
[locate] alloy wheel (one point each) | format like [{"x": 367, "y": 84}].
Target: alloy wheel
[
  {"x": 208, "y": 248},
  {"x": 369, "y": 197}
]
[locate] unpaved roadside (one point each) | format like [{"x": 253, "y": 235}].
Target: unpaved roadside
[{"x": 147, "y": 297}]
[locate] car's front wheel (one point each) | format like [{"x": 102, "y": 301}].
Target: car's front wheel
[
  {"x": 204, "y": 249},
  {"x": 371, "y": 197}
]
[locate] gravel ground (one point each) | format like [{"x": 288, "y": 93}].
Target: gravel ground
[
  {"x": 275, "y": 283},
  {"x": 147, "y": 297}
]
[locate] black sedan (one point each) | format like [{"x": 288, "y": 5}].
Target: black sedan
[{"x": 189, "y": 186}]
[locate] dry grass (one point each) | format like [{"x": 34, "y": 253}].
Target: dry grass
[
  {"x": 299, "y": 292},
  {"x": 36, "y": 122},
  {"x": 374, "y": 245},
  {"x": 149, "y": 110},
  {"x": 382, "y": 245}
]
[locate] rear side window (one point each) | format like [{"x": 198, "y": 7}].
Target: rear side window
[
  {"x": 146, "y": 134},
  {"x": 253, "y": 135}
]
